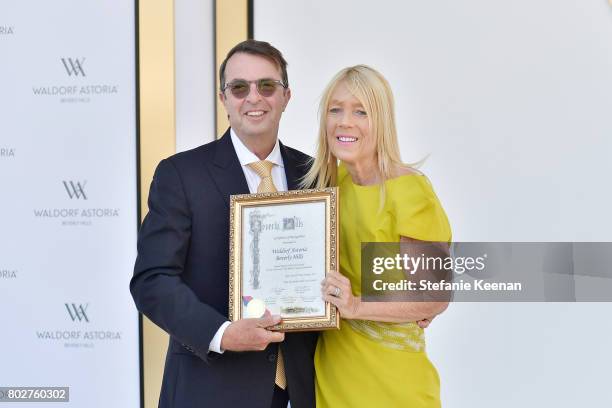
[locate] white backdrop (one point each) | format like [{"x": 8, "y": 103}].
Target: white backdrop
[
  {"x": 194, "y": 61},
  {"x": 68, "y": 209},
  {"x": 512, "y": 100}
]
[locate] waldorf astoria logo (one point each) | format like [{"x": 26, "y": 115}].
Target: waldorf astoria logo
[
  {"x": 6, "y": 273},
  {"x": 78, "y": 89},
  {"x": 77, "y": 312},
  {"x": 70, "y": 334},
  {"x": 75, "y": 189},
  {"x": 74, "y": 66},
  {"x": 7, "y": 152},
  {"x": 79, "y": 214},
  {"x": 6, "y": 30}
]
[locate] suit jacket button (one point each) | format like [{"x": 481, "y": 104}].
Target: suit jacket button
[{"x": 271, "y": 358}]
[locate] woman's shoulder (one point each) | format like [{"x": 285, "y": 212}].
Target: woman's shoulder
[
  {"x": 416, "y": 208},
  {"x": 408, "y": 178},
  {"x": 410, "y": 189},
  {"x": 405, "y": 170}
]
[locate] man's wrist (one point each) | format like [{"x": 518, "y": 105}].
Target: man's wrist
[{"x": 215, "y": 343}]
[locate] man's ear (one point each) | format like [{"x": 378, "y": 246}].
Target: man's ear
[
  {"x": 288, "y": 96},
  {"x": 221, "y": 97}
]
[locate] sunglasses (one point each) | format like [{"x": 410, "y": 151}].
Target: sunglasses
[{"x": 241, "y": 88}]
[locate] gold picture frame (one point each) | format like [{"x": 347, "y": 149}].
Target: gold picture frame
[{"x": 284, "y": 256}]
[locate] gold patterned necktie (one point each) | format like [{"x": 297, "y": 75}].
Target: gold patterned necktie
[{"x": 263, "y": 169}]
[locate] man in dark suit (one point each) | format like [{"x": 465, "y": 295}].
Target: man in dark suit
[{"x": 181, "y": 274}]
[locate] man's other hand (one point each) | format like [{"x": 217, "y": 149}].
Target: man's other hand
[{"x": 251, "y": 334}]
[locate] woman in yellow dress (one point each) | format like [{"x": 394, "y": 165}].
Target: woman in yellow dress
[{"x": 377, "y": 358}]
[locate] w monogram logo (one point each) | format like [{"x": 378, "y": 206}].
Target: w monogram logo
[
  {"x": 75, "y": 190},
  {"x": 77, "y": 312},
  {"x": 74, "y": 66}
]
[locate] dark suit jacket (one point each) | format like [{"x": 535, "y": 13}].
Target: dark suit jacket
[{"x": 181, "y": 283}]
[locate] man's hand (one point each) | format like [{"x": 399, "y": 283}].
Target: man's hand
[{"x": 251, "y": 334}]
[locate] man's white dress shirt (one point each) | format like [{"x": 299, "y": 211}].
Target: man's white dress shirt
[{"x": 245, "y": 157}]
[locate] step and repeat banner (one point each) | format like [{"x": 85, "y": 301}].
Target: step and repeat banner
[{"x": 68, "y": 199}]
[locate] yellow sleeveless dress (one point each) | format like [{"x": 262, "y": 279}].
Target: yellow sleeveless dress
[{"x": 377, "y": 364}]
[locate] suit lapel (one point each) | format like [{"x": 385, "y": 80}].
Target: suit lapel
[
  {"x": 226, "y": 171},
  {"x": 293, "y": 170},
  {"x": 228, "y": 175}
]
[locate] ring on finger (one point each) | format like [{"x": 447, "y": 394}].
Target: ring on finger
[{"x": 336, "y": 292}]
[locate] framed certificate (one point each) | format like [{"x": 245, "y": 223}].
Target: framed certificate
[{"x": 281, "y": 246}]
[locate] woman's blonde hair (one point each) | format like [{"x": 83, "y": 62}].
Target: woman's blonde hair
[{"x": 374, "y": 93}]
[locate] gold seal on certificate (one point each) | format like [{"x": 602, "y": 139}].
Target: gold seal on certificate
[
  {"x": 255, "y": 308},
  {"x": 281, "y": 246}
]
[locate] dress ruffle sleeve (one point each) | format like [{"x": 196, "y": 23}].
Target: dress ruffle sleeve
[{"x": 417, "y": 210}]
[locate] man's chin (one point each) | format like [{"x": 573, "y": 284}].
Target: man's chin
[{"x": 256, "y": 130}]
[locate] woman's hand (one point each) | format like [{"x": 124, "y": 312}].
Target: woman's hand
[
  {"x": 423, "y": 324},
  {"x": 336, "y": 289}
]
